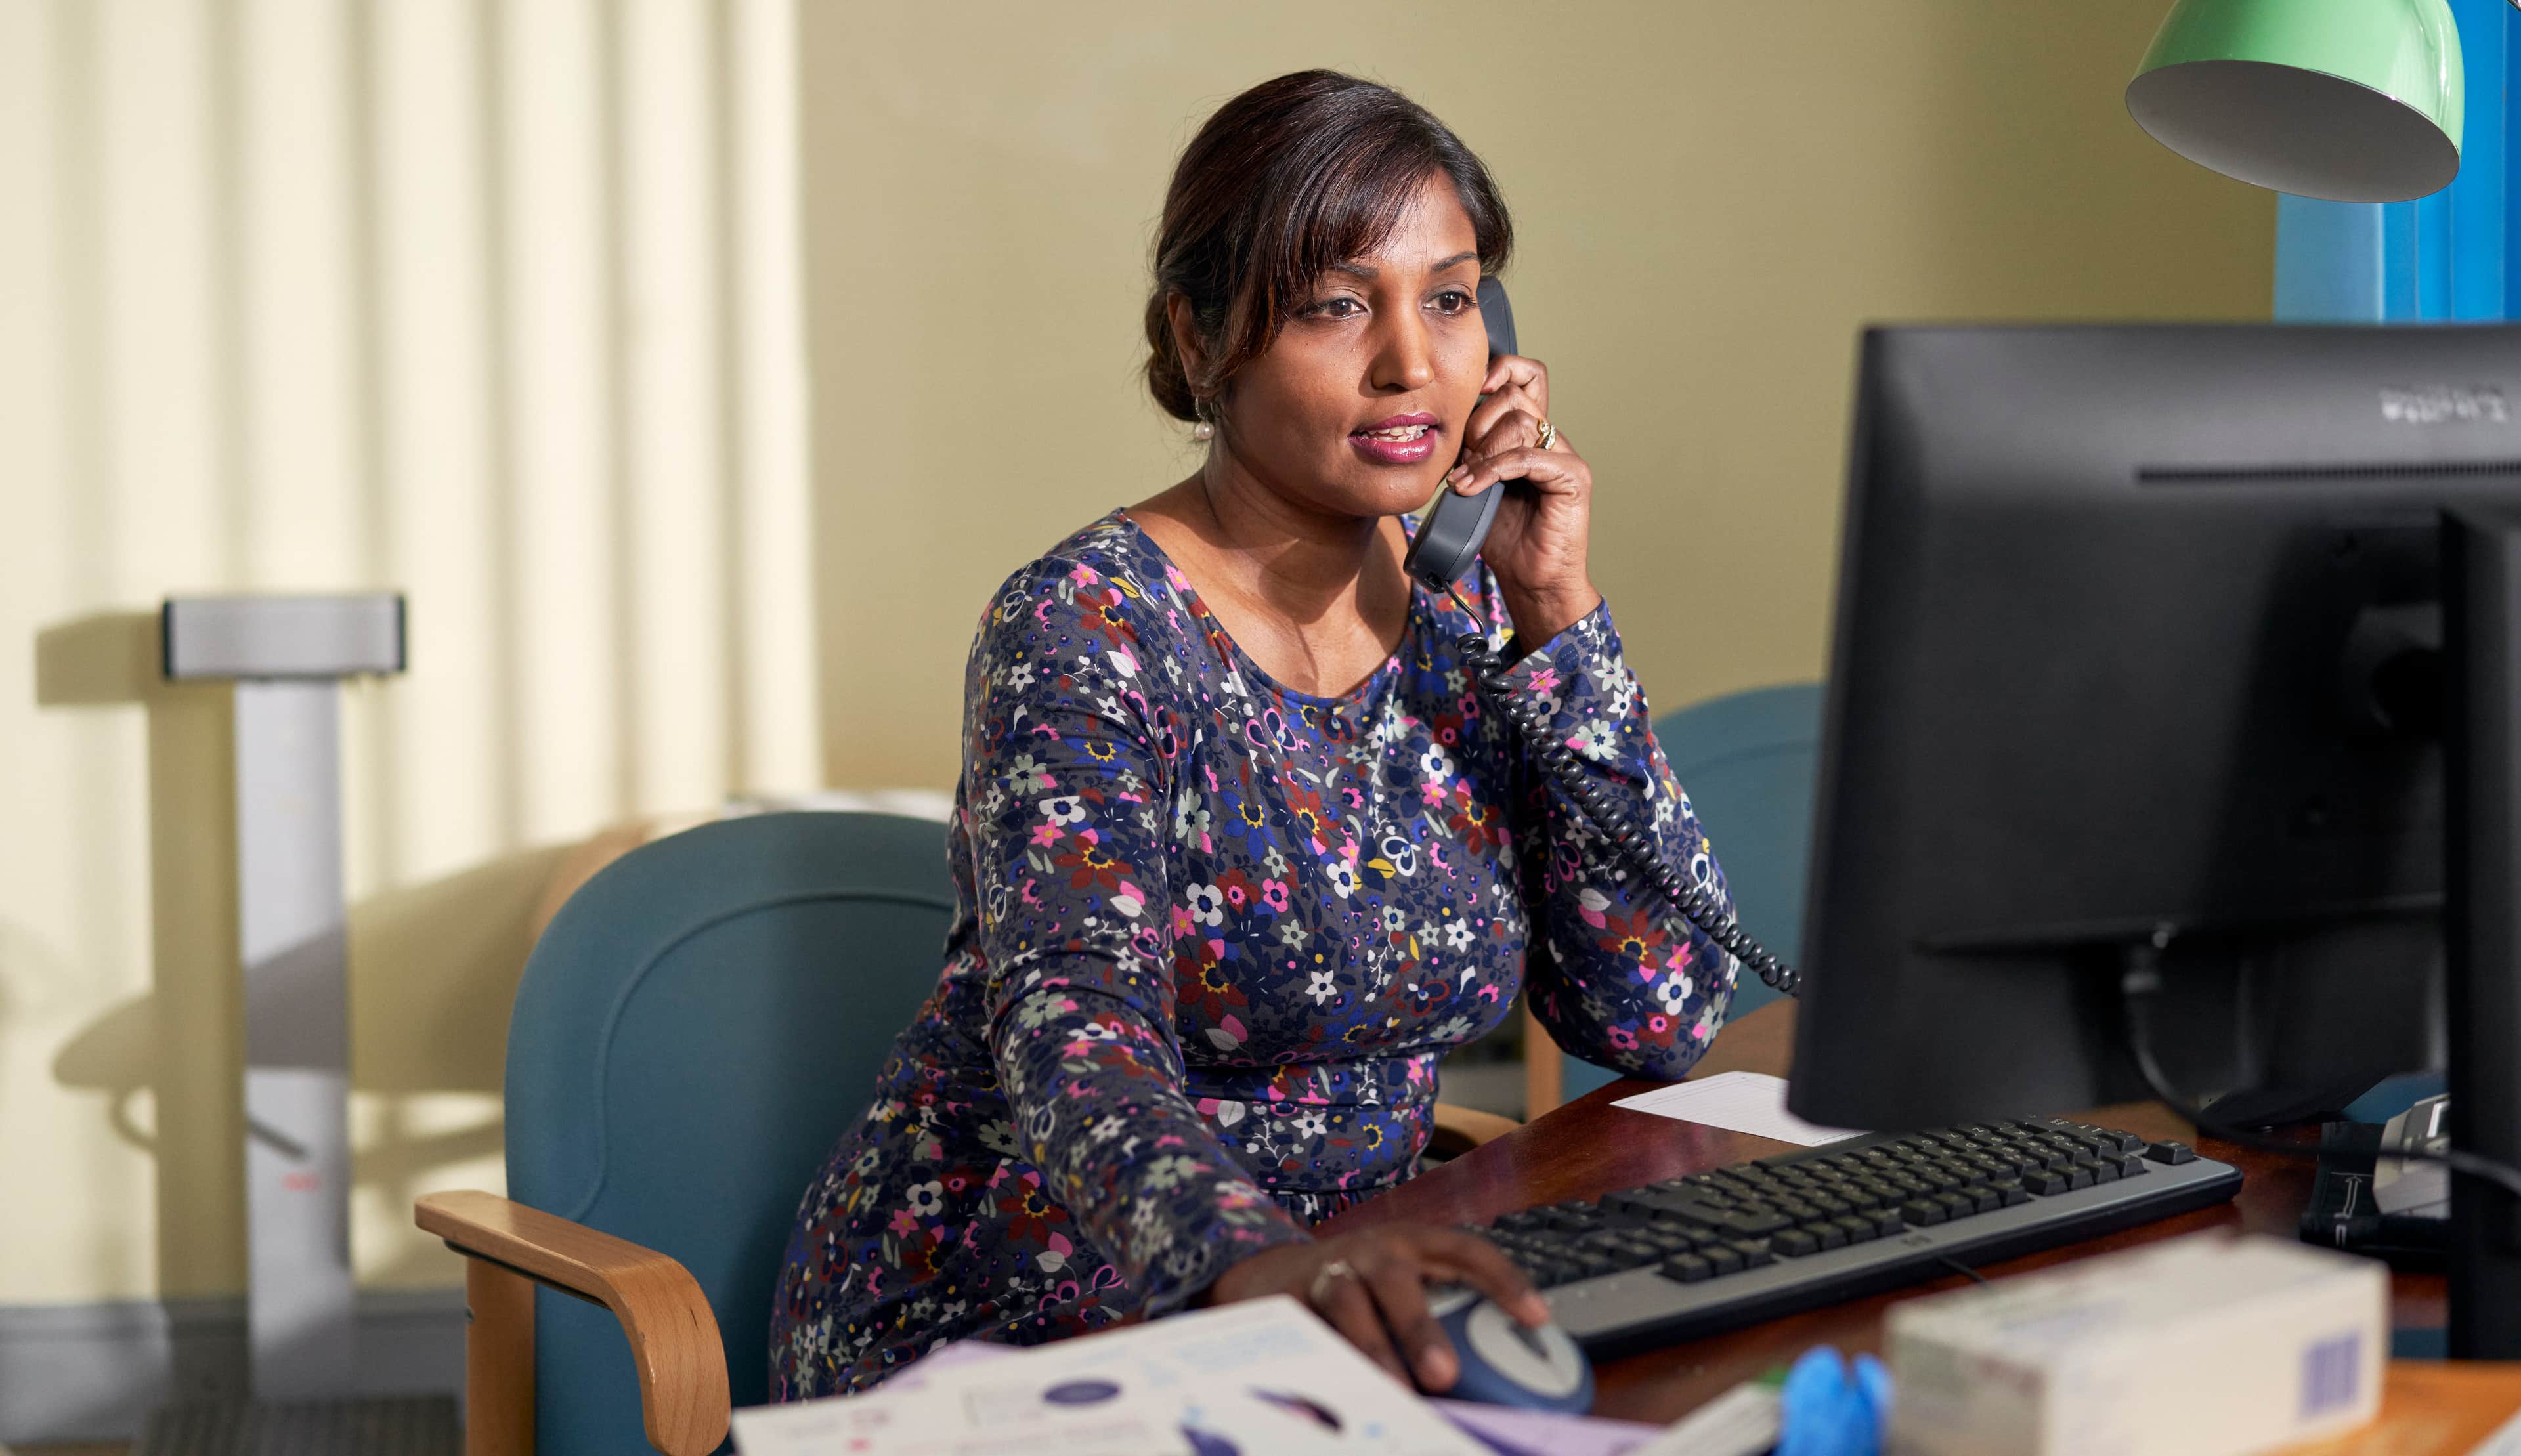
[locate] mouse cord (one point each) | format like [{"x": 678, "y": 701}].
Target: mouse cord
[
  {"x": 2140, "y": 983},
  {"x": 1634, "y": 847}
]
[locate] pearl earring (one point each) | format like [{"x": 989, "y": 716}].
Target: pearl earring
[{"x": 1203, "y": 430}]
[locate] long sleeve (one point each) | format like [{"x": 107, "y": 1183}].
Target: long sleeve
[
  {"x": 1616, "y": 973},
  {"x": 1070, "y": 803}
]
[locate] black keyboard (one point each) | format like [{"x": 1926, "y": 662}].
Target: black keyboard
[{"x": 1696, "y": 1255}]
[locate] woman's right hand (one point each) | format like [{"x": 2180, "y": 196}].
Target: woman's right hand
[{"x": 1371, "y": 1286}]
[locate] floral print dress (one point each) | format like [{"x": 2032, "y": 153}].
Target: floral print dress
[{"x": 1214, "y": 938}]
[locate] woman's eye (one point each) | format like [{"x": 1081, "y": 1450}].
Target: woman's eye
[
  {"x": 1454, "y": 300},
  {"x": 1342, "y": 307}
]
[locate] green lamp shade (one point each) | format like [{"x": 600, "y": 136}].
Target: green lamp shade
[{"x": 2357, "y": 101}]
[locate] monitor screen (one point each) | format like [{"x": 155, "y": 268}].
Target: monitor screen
[{"x": 2138, "y": 629}]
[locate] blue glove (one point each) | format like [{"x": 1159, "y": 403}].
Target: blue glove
[{"x": 1827, "y": 1410}]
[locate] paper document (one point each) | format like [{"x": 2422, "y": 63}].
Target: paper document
[
  {"x": 1510, "y": 1431},
  {"x": 1265, "y": 1376},
  {"x": 1751, "y": 1101},
  {"x": 1501, "y": 1428}
]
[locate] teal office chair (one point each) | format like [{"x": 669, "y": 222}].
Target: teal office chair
[
  {"x": 1748, "y": 761},
  {"x": 698, "y": 1026}
]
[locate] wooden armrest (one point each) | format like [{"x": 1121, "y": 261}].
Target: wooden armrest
[
  {"x": 673, "y": 1337},
  {"x": 1460, "y": 1129}
]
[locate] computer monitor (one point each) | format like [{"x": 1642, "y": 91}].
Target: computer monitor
[{"x": 2139, "y": 635}]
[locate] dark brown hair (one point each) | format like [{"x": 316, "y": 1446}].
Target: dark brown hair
[{"x": 1296, "y": 174}]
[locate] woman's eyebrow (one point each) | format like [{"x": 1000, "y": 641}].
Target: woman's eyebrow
[{"x": 1369, "y": 272}]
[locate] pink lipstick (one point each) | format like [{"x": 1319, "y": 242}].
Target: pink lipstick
[{"x": 1402, "y": 440}]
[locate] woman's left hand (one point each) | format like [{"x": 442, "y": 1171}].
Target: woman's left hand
[{"x": 1537, "y": 547}]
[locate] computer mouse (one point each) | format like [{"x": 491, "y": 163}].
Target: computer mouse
[{"x": 1503, "y": 1362}]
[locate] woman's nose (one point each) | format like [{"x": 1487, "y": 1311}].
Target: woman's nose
[{"x": 1406, "y": 360}]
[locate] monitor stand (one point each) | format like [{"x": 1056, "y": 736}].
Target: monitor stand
[{"x": 2482, "y": 919}]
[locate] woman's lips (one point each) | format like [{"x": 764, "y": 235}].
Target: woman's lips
[{"x": 1404, "y": 441}]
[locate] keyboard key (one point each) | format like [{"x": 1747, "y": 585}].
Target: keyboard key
[
  {"x": 2078, "y": 1174},
  {"x": 1886, "y": 1221},
  {"x": 2171, "y": 1154},
  {"x": 1754, "y": 1252},
  {"x": 1858, "y": 1230},
  {"x": 1724, "y": 1258},
  {"x": 2010, "y": 1193},
  {"x": 1793, "y": 1242},
  {"x": 1828, "y": 1234},
  {"x": 1750, "y": 1223},
  {"x": 1983, "y": 1199},
  {"x": 2105, "y": 1168},
  {"x": 2047, "y": 1183},
  {"x": 1688, "y": 1268},
  {"x": 1956, "y": 1204},
  {"x": 2131, "y": 1166},
  {"x": 1648, "y": 1203},
  {"x": 1922, "y": 1211}
]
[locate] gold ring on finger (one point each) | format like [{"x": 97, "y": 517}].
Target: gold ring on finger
[{"x": 1548, "y": 435}]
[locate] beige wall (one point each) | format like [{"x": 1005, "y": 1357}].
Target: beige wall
[{"x": 1711, "y": 198}]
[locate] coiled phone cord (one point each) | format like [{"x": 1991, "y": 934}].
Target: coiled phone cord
[{"x": 1638, "y": 851}]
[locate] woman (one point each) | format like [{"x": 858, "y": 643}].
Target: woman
[{"x": 1240, "y": 852}]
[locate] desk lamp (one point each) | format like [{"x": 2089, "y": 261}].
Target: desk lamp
[{"x": 2354, "y": 100}]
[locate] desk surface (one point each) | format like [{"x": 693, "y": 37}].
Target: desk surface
[{"x": 1589, "y": 1148}]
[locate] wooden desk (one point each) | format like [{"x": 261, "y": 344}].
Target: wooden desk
[{"x": 1589, "y": 1148}]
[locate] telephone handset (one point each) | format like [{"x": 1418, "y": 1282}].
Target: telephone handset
[
  {"x": 1448, "y": 541},
  {"x": 1455, "y": 526}
]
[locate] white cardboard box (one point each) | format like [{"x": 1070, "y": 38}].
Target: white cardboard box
[{"x": 2207, "y": 1345}]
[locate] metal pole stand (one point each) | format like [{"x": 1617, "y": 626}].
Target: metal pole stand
[{"x": 287, "y": 657}]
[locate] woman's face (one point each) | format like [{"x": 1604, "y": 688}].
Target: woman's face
[{"x": 1357, "y": 407}]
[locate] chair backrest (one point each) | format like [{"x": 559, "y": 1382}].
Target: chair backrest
[
  {"x": 1748, "y": 761},
  {"x": 694, "y": 1032}
]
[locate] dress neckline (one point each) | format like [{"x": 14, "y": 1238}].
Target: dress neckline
[{"x": 1359, "y": 695}]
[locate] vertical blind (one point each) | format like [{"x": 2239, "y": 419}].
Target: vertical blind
[
  {"x": 2446, "y": 258},
  {"x": 497, "y": 303}
]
